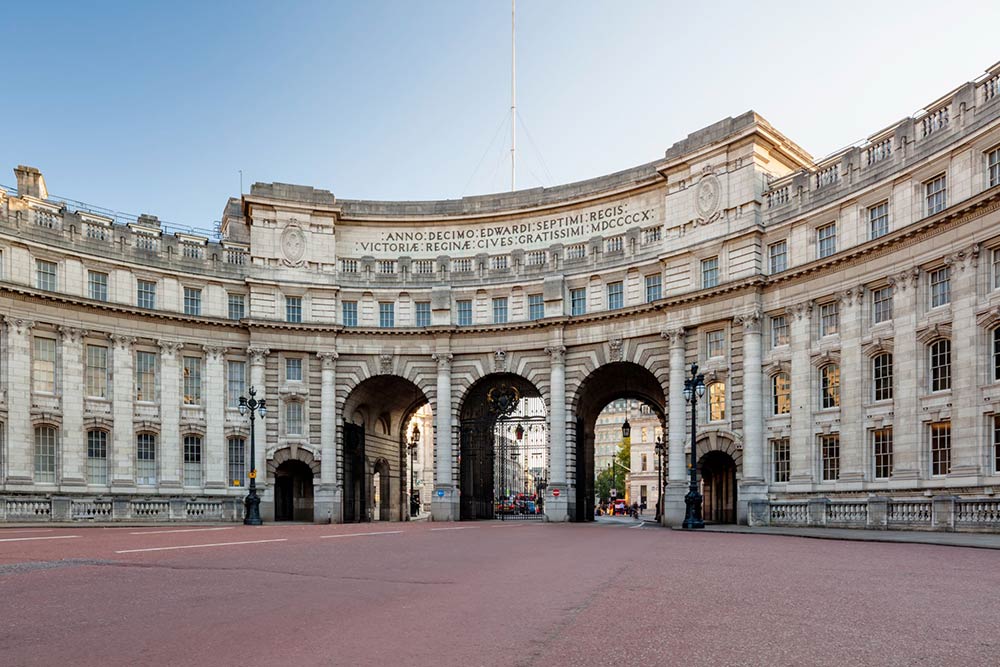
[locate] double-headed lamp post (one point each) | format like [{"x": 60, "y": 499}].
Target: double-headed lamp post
[
  {"x": 412, "y": 446},
  {"x": 252, "y": 501},
  {"x": 694, "y": 388},
  {"x": 661, "y": 455}
]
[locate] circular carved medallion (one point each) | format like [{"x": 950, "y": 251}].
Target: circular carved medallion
[
  {"x": 707, "y": 196},
  {"x": 293, "y": 244}
]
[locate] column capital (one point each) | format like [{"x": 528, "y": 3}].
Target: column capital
[
  {"x": 122, "y": 341},
  {"x": 258, "y": 355},
  {"x": 557, "y": 353},
  {"x": 443, "y": 360},
  {"x": 801, "y": 310},
  {"x": 750, "y": 320},
  {"x": 18, "y": 325},
  {"x": 854, "y": 295},
  {"x": 328, "y": 358},
  {"x": 213, "y": 352},
  {"x": 72, "y": 334},
  {"x": 170, "y": 348},
  {"x": 904, "y": 279},
  {"x": 676, "y": 336},
  {"x": 964, "y": 258}
]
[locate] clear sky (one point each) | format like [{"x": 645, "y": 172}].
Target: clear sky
[{"x": 155, "y": 107}]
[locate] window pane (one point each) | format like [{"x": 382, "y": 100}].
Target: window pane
[
  {"x": 578, "y": 301},
  {"x": 826, "y": 238},
  {"x": 781, "y": 389},
  {"x": 940, "y": 365},
  {"x": 145, "y": 459},
  {"x": 43, "y": 370},
  {"x": 777, "y": 257},
  {"x": 97, "y": 371},
  {"x": 97, "y": 285},
  {"x": 97, "y": 457},
  {"x": 192, "y": 301},
  {"x": 882, "y": 377},
  {"x": 45, "y": 454},
  {"x": 710, "y": 272},
  {"x": 830, "y": 456},
  {"x": 780, "y": 460},
  {"x": 654, "y": 287},
  {"x": 386, "y": 314},
  {"x": 940, "y": 448},
  {"x": 145, "y": 376},
  {"x": 463, "y": 309},
  {"x": 192, "y": 380},
  {"x": 237, "y": 374},
  {"x": 293, "y": 370},
  {"x": 717, "y": 401},
  {"x": 350, "y": 313},
  {"x": 882, "y": 452},
  {"x": 616, "y": 296},
  {"x": 192, "y": 460},
  {"x": 237, "y": 461},
  {"x": 500, "y": 310},
  {"x": 536, "y": 307},
  {"x": 422, "y": 314},
  {"x": 830, "y": 386},
  {"x": 146, "y": 294}
]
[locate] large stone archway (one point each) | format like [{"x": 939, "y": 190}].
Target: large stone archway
[
  {"x": 607, "y": 383},
  {"x": 720, "y": 468},
  {"x": 291, "y": 472}
]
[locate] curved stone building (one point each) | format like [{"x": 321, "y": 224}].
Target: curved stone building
[{"x": 845, "y": 314}]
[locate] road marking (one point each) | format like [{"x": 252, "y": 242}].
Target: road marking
[
  {"x": 183, "y": 530},
  {"x": 26, "y": 539},
  {"x": 383, "y": 532},
  {"x": 200, "y": 546},
  {"x": 5, "y": 531},
  {"x": 455, "y": 528}
]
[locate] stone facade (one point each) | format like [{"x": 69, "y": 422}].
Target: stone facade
[{"x": 845, "y": 313}]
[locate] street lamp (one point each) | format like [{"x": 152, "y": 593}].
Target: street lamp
[
  {"x": 626, "y": 433},
  {"x": 694, "y": 388},
  {"x": 661, "y": 455},
  {"x": 252, "y": 501},
  {"x": 412, "y": 446}
]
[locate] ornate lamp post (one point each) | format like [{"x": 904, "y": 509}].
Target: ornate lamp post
[
  {"x": 694, "y": 388},
  {"x": 412, "y": 446},
  {"x": 661, "y": 455},
  {"x": 252, "y": 501}
]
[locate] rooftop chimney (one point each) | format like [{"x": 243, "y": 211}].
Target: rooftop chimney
[{"x": 30, "y": 182}]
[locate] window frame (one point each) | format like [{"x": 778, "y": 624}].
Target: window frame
[
  {"x": 616, "y": 295},
  {"x": 829, "y": 386},
  {"x": 936, "y": 198},
  {"x": 878, "y": 220},
  {"x": 881, "y": 452},
  {"x": 97, "y": 451},
  {"x": 654, "y": 282},
  {"x": 779, "y": 398},
  {"x": 96, "y": 290},
  {"x": 776, "y": 250},
  {"x": 144, "y": 296},
  {"x": 293, "y": 309},
  {"x": 826, "y": 240},
  {"x": 882, "y": 375},
  {"x": 192, "y": 301},
  {"x": 939, "y": 365},
  {"x": 710, "y": 272}
]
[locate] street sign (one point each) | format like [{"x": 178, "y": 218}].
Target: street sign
[
  {"x": 253, "y": 474},
  {"x": 555, "y": 493},
  {"x": 614, "y": 492},
  {"x": 440, "y": 493}
]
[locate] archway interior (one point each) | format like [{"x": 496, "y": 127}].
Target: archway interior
[
  {"x": 293, "y": 491},
  {"x": 618, "y": 385},
  {"x": 378, "y": 416},
  {"x": 717, "y": 476},
  {"x": 504, "y": 449}
]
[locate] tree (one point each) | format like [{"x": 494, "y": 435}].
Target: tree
[{"x": 614, "y": 478}]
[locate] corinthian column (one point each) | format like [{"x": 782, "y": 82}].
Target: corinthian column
[
  {"x": 752, "y": 485},
  {"x": 122, "y": 396},
  {"x": 170, "y": 415},
  {"x": 445, "y": 502},
  {"x": 327, "y": 504},
  {"x": 215, "y": 417},
  {"x": 673, "y": 500},
  {"x": 74, "y": 447},
  {"x": 557, "y": 508},
  {"x": 967, "y": 436},
  {"x": 20, "y": 435}
]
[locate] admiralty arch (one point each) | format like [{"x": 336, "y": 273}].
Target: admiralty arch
[{"x": 845, "y": 313}]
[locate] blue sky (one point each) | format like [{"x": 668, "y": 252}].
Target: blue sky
[{"x": 155, "y": 107}]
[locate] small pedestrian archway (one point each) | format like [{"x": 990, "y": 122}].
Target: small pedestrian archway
[
  {"x": 293, "y": 473},
  {"x": 503, "y": 445},
  {"x": 720, "y": 460},
  {"x": 617, "y": 381},
  {"x": 376, "y": 435}
]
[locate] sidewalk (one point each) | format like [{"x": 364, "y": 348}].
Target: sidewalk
[{"x": 972, "y": 540}]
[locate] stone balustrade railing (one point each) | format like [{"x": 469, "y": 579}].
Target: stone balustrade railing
[
  {"x": 948, "y": 513},
  {"x": 119, "y": 508}
]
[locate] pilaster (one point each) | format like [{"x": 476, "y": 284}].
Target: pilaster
[
  {"x": 673, "y": 500},
  {"x": 327, "y": 505},
  {"x": 557, "y": 507},
  {"x": 122, "y": 394},
  {"x": 74, "y": 446},
  {"x": 801, "y": 444},
  {"x": 967, "y": 424},
  {"x": 752, "y": 486},
  {"x": 170, "y": 415},
  {"x": 444, "y": 506},
  {"x": 906, "y": 418},
  {"x": 215, "y": 417},
  {"x": 852, "y": 379},
  {"x": 20, "y": 468}
]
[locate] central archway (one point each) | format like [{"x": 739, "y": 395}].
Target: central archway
[{"x": 293, "y": 491}]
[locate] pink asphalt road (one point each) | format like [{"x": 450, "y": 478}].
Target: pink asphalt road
[{"x": 487, "y": 594}]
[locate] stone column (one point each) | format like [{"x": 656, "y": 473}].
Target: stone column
[
  {"x": 907, "y": 427},
  {"x": 802, "y": 443},
  {"x": 677, "y": 471},
  {"x": 258, "y": 358},
  {"x": 20, "y": 434},
  {"x": 169, "y": 454},
  {"x": 215, "y": 418},
  {"x": 752, "y": 486},
  {"x": 327, "y": 503},
  {"x": 557, "y": 508},
  {"x": 122, "y": 396},
  {"x": 967, "y": 438},
  {"x": 71, "y": 388},
  {"x": 853, "y": 437},
  {"x": 444, "y": 506}
]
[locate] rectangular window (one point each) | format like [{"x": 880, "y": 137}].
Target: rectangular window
[
  {"x": 145, "y": 294},
  {"x": 293, "y": 369},
  {"x": 145, "y": 459},
  {"x": 97, "y": 285},
  {"x": 293, "y": 418},
  {"x": 779, "y": 330},
  {"x": 936, "y": 191},
  {"x": 830, "y": 456},
  {"x": 536, "y": 307},
  {"x": 192, "y": 460},
  {"x": 97, "y": 457},
  {"x": 829, "y": 319},
  {"x": 422, "y": 314},
  {"x": 293, "y": 309},
  {"x": 45, "y": 275},
  {"x": 716, "y": 343},
  {"x": 386, "y": 314},
  {"x": 654, "y": 288},
  {"x": 993, "y": 164},
  {"x": 349, "y": 312},
  {"x": 940, "y": 362},
  {"x": 236, "y": 380},
  {"x": 777, "y": 257},
  {"x": 710, "y": 272},
  {"x": 940, "y": 448},
  {"x": 882, "y": 377},
  {"x": 145, "y": 376},
  {"x": 829, "y": 381},
  {"x": 996, "y": 268},
  {"x": 878, "y": 220},
  {"x": 940, "y": 286},
  {"x": 578, "y": 301},
  {"x": 616, "y": 295},
  {"x": 500, "y": 310},
  {"x": 237, "y": 306},
  {"x": 996, "y": 354},
  {"x": 881, "y": 305},
  {"x": 192, "y": 301},
  {"x": 43, "y": 371},
  {"x": 97, "y": 371},
  {"x": 45, "y": 454},
  {"x": 882, "y": 452},
  {"x": 826, "y": 240},
  {"x": 780, "y": 460},
  {"x": 463, "y": 312},
  {"x": 781, "y": 394},
  {"x": 996, "y": 443},
  {"x": 192, "y": 380},
  {"x": 237, "y": 461}
]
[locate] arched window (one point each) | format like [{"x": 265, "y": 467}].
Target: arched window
[
  {"x": 716, "y": 401},
  {"x": 192, "y": 460},
  {"x": 781, "y": 394},
  {"x": 45, "y": 454},
  {"x": 237, "y": 447},
  {"x": 882, "y": 377},
  {"x": 940, "y": 364},
  {"x": 97, "y": 457},
  {"x": 293, "y": 418},
  {"x": 145, "y": 459},
  {"x": 829, "y": 379}
]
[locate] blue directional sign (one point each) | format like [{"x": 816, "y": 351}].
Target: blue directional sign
[{"x": 440, "y": 493}]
